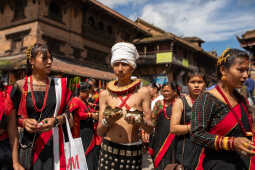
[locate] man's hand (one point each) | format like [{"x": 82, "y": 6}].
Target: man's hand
[
  {"x": 134, "y": 119},
  {"x": 112, "y": 118}
]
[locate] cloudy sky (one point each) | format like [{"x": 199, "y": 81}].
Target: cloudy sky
[{"x": 217, "y": 22}]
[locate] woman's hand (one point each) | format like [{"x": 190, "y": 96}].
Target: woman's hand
[
  {"x": 17, "y": 166},
  {"x": 95, "y": 115},
  {"x": 244, "y": 146},
  {"x": 46, "y": 124},
  {"x": 31, "y": 125}
]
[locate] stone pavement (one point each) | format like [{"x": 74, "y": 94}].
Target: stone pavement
[{"x": 147, "y": 162}]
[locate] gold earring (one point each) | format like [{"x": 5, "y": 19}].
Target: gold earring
[{"x": 223, "y": 78}]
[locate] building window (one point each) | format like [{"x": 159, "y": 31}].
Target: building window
[
  {"x": 127, "y": 37},
  {"x": 91, "y": 21},
  {"x": 55, "y": 12},
  {"x": 54, "y": 45},
  {"x": 16, "y": 44},
  {"x": 19, "y": 10},
  {"x": 17, "y": 39},
  {"x": 109, "y": 30},
  {"x": 76, "y": 52},
  {"x": 101, "y": 26}
]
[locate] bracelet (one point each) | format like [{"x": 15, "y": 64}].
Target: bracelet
[
  {"x": 233, "y": 143},
  {"x": 188, "y": 128},
  {"x": 220, "y": 142},
  {"x": 56, "y": 122},
  {"x": 226, "y": 143},
  {"x": 105, "y": 123},
  {"x": 216, "y": 145}
]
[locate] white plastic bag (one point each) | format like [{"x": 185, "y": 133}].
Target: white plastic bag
[{"x": 74, "y": 152}]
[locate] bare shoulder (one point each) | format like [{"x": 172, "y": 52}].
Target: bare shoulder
[
  {"x": 104, "y": 94},
  {"x": 178, "y": 102},
  {"x": 20, "y": 83},
  {"x": 144, "y": 90}
]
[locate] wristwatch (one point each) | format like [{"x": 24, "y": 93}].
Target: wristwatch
[{"x": 56, "y": 122}]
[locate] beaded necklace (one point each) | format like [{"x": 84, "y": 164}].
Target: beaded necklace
[{"x": 33, "y": 97}]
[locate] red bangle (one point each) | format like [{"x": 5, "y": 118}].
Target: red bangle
[
  {"x": 218, "y": 142},
  {"x": 233, "y": 143},
  {"x": 229, "y": 143}
]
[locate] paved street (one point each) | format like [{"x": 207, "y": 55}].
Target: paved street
[{"x": 147, "y": 162}]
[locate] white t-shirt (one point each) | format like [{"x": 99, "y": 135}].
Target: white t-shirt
[{"x": 153, "y": 102}]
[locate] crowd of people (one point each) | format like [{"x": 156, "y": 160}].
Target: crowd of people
[{"x": 204, "y": 128}]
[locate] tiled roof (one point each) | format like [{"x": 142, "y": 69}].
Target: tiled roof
[
  {"x": 167, "y": 36},
  {"x": 69, "y": 68},
  {"x": 197, "y": 39},
  {"x": 139, "y": 20},
  {"x": 19, "y": 61},
  {"x": 117, "y": 15},
  {"x": 170, "y": 36},
  {"x": 249, "y": 34}
]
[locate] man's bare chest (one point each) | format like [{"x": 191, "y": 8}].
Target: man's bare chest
[{"x": 127, "y": 102}]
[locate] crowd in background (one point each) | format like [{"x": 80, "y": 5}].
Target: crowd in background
[{"x": 195, "y": 126}]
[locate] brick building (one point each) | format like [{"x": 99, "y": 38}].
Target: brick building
[
  {"x": 79, "y": 34},
  {"x": 247, "y": 41},
  {"x": 167, "y": 54}
]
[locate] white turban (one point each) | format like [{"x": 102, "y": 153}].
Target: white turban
[{"x": 124, "y": 52}]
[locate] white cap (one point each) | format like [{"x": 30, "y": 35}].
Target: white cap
[{"x": 124, "y": 52}]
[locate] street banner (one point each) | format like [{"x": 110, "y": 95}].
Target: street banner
[
  {"x": 164, "y": 57},
  {"x": 185, "y": 62}
]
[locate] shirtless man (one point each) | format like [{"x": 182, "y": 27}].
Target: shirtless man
[{"x": 124, "y": 109}]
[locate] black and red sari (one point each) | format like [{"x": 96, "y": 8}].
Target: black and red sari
[
  {"x": 85, "y": 127},
  {"x": 48, "y": 146},
  {"x": 212, "y": 117},
  {"x": 162, "y": 143},
  {"x": 184, "y": 146}
]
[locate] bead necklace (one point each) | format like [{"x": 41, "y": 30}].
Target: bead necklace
[
  {"x": 165, "y": 106},
  {"x": 33, "y": 97}
]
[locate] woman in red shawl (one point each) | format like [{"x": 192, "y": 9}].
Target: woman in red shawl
[{"x": 221, "y": 118}]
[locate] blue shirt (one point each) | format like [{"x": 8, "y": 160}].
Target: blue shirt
[{"x": 249, "y": 83}]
